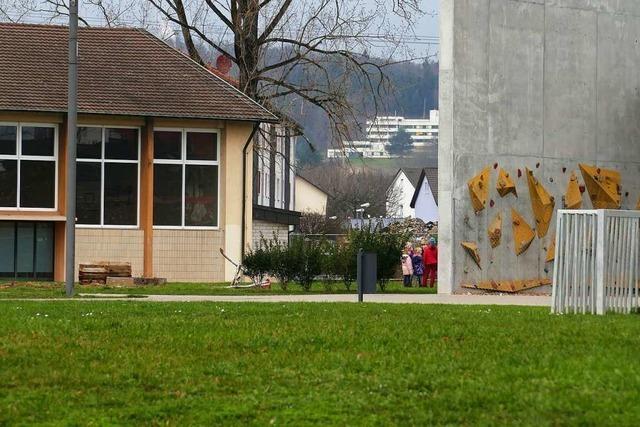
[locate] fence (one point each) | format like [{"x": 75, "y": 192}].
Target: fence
[{"x": 597, "y": 262}]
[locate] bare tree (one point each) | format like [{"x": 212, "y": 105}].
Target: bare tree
[
  {"x": 350, "y": 187},
  {"x": 287, "y": 53}
]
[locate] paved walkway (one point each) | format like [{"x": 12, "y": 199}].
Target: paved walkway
[{"x": 524, "y": 300}]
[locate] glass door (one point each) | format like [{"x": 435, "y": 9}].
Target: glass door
[{"x": 26, "y": 250}]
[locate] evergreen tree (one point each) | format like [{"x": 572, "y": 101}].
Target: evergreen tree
[{"x": 400, "y": 143}]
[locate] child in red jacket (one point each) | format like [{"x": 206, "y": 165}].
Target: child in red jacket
[{"x": 430, "y": 258}]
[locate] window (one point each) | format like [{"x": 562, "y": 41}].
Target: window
[
  {"x": 28, "y": 166},
  {"x": 185, "y": 190},
  {"x": 107, "y": 176}
]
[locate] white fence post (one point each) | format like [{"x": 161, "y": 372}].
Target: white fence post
[{"x": 600, "y": 254}]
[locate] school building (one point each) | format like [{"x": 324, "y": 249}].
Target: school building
[{"x": 164, "y": 156}]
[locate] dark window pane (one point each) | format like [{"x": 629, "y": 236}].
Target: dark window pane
[
  {"x": 120, "y": 193},
  {"x": 7, "y": 247},
  {"x": 202, "y": 146},
  {"x": 37, "y": 141},
  {"x": 201, "y": 195},
  {"x": 167, "y": 145},
  {"x": 37, "y": 184},
  {"x": 88, "y": 193},
  {"x": 8, "y": 183},
  {"x": 89, "y": 143},
  {"x": 121, "y": 144},
  {"x": 44, "y": 250},
  {"x": 8, "y": 139},
  {"x": 167, "y": 195}
]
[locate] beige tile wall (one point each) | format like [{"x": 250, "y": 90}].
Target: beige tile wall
[
  {"x": 188, "y": 255},
  {"x": 267, "y": 229},
  {"x": 95, "y": 245}
]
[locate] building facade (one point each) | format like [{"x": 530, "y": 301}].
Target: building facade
[
  {"x": 309, "y": 197},
  {"x": 164, "y": 176},
  {"x": 425, "y": 198},
  {"x": 423, "y": 133},
  {"x": 274, "y": 183}
]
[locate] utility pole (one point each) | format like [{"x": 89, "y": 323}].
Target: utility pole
[{"x": 72, "y": 134}]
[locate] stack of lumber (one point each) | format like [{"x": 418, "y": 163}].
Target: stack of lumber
[{"x": 98, "y": 272}]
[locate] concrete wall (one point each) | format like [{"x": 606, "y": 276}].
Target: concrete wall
[{"x": 543, "y": 84}]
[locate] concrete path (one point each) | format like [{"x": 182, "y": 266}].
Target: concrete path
[{"x": 524, "y": 300}]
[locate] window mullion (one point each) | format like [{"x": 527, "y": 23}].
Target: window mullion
[
  {"x": 184, "y": 177},
  {"x": 19, "y": 162},
  {"x": 104, "y": 132}
]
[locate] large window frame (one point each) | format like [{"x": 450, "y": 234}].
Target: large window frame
[
  {"x": 102, "y": 161},
  {"x": 184, "y": 162},
  {"x": 18, "y": 157}
]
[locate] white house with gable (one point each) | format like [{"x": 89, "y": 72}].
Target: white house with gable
[
  {"x": 400, "y": 193},
  {"x": 425, "y": 198}
]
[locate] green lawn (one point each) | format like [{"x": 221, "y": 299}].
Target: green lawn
[
  {"x": 56, "y": 290},
  {"x": 137, "y": 363}
]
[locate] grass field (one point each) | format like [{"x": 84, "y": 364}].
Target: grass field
[
  {"x": 136, "y": 363},
  {"x": 56, "y": 290}
]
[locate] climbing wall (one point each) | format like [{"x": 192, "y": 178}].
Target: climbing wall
[{"x": 531, "y": 90}]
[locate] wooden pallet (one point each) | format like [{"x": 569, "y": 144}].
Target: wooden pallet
[{"x": 98, "y": 272}]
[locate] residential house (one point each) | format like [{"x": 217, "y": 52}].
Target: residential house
[
  {"x": 400, "y": 193},
  {"x": 425, "y": 198},
  {"x": 164, "y": 178}
]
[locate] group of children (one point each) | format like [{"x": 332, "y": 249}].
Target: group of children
[{"x": 420, "y": 263}]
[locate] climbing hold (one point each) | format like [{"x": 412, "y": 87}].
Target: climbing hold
[
  {"x": 564, "y": 169},
  {"x": 505, "y": 184},
  {"x": 626, "y": 194},
  {"x": 519, "y": 173},
  {"x": 495, "y": 165},
  {"x": 479, "y": 189},
  {"x": 492, "y": 203},
  {"x": 495, "y": 231},
  {"x": 551, "y": 251},
  {"x": 523, "y": 234},
  {"x": 472, "y": 249},
  {"x": 537, "y": 165},
  {"x": 542, "y": 204},
  {"x": 603, "y": 186},
  {"x": 573, "y": 196}
]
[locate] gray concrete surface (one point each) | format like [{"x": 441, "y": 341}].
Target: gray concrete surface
[
  {"x": 530, "y": 300},
  {"x": 543, "y": 84}
]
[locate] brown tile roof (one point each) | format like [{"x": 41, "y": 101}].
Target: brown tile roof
[{"x": 121, "y": 71}]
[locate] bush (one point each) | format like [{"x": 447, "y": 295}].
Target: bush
[
  {"x": 306, "y": 258},
  {"x": 303, "y": 260},
  {"x": 386, "y": 244},
  {"x": 283, "y": 266},
  {"x": 258, "y": 264}
]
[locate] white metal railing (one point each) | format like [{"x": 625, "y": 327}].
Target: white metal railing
[{"x": 597, "y": 262}]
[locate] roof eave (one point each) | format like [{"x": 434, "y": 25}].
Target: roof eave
[{"x": 272, "y": 119}]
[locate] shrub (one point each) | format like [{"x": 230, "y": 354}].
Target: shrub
[
  {"x": 283, "y": 266},
  {"x": 386, "y": 244},
  {"x": 306, "y": 258},
  {"x": 258, "y": 264}
]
